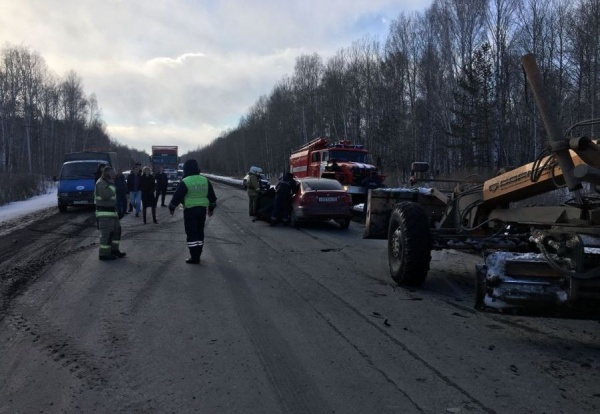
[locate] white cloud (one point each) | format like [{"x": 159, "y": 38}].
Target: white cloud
[
  {"x": 186, "y": 69},
  {"x": 178, "y": 61}
]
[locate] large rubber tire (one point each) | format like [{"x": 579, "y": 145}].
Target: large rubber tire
[
  {"x": 62, "y": 208},
  {"x": 409, "y": 244}
]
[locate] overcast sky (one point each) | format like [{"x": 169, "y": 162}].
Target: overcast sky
[{"x": 178, "y": 72}]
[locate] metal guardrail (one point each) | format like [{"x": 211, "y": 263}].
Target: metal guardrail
[{"x": 234, "y": 182}]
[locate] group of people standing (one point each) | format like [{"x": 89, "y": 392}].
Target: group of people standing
[
  {"x": 144, "y": 189},
  {"x": 141, "y": 185},
  {"x": 282, "y": 201},
  {"x": 194, "y": 192}
]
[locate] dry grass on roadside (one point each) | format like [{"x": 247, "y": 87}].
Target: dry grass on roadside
[{"x": 17, "y": 187}]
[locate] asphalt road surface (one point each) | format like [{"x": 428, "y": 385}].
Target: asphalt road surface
[{"x": 274, "y": 320}]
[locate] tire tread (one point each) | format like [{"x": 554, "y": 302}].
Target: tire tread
[{"x": 412, "y": 268}]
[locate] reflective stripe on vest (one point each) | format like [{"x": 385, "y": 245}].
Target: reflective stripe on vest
[
  {"x": 111, "y": 214},
  {"x": 100, "y": 198},
  {"x": 197, "y": 194}
]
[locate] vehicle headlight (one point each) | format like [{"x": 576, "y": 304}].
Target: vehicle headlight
[{"x": 63, "y": 194}]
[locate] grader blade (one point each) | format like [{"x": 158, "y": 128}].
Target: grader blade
[{"x": 510, "y": 281}]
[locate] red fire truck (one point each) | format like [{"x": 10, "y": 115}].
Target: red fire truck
[{"x": 342, "y": 161}]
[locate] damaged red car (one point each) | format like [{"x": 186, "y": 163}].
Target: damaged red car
[{"x": 321, "y": 199}]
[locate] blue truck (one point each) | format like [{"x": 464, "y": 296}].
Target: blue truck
[{"x": 76, "y": 183}]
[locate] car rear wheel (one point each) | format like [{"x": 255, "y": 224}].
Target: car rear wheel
[
  {"x": 344, "y": 223},
  {"x": 409, "y": 244},
  {"x": 294, "y": 220}
]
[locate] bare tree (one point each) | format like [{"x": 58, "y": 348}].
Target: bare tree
[
  {"x": 403, "y": 53},
  {"x": 11, "y": 90},
  {"x": 32, "y": 72},
  {"x": 334, "y": 97},
  {"x": 586, "y": 55},
  {"x": 500, "y": 28},
  {"x": 74, "y": 106},
  {"x": 306, "y": 79}
]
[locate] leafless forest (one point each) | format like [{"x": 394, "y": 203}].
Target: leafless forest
[
  {"x": 445, "y": 86},
  {"x": 43, "y": 117}
]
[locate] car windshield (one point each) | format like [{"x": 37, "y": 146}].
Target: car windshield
[
  {"x": 354, "y": 156},
  {"x": 77, "y": 170},
  {"x": 323, "y": 184}
]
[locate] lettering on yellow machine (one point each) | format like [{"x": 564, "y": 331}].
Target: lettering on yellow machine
[{"x": 516, "y": 184}]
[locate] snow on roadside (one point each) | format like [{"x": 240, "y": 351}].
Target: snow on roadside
[
  {"x": 18, "y": 209},
  {"x": 19, "y": 214}
]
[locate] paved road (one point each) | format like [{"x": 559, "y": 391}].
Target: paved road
[{"x": 274, "y": 320}]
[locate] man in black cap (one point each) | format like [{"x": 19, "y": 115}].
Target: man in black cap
[{"x": 196, "y": 194}]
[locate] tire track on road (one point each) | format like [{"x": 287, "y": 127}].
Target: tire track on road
[{"x": 235, "y": 224}]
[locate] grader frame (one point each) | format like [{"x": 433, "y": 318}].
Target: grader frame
[{"x": 534, "y": 255}]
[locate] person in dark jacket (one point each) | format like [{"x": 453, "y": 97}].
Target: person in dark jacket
[
  {"x": 282, "y": 205},
  {"x": 133, "y": 186},
  {"x": 198, "y": 197},
  {"x": 98, "y": 172},
  {"x": 162, "y": 181},
  {"x": 121, "y": 186},
  {"x": 372, "y": 181},
  {"x": 253, "y": 188},
  {"x": 147, "y": 186}
]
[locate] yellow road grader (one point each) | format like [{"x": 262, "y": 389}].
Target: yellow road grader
[{"x": 534, "y": 255}]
